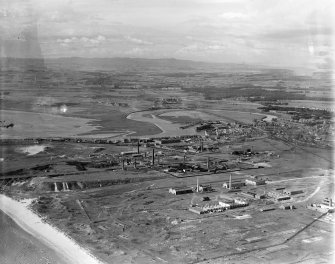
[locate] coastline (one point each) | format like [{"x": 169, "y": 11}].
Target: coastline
[{"x": 30, "y": 222}]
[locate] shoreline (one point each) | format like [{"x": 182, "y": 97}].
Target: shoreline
[
  {"x": 34, "y": 124},
  {"x": 167, "y": 127},
  {"x": 49, "y": 235}
]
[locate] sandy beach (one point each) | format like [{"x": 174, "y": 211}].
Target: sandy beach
[{"x": 66, "y": 250}]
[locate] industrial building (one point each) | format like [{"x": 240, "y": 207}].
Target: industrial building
[
  {"x": 278, "y": 196},
  {"x": 320, "y": 208},
  {"x": 325, "y": 206},
  {"x": 255, "y": 182},
  {"x": 266, "y": 209},
  {"x": 180, "y": 190},
  {"x": 210, "y": 207},
  {"x": 328, "y": 201},
  {"x": 218, "y": 206},
  {"x": 287, "y": 207},
  {"x": 203, "y": 188},
  {"x": 233, "y": 185},
  {"x": 293, "y": 192},
  {"x": 274, "y": 194},
  {"x": 167, "y": 141},
  {"x": 282, "y": 198}
]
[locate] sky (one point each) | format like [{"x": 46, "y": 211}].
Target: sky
[{"x": 285, "y": 33}]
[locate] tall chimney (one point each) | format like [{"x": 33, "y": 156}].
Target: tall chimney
[
  {"x": 230, "y": 181},
  {"x": 122, "y": 164},
  {"x": 197, "y": 184},
  {"x": 153, "y": 156}
]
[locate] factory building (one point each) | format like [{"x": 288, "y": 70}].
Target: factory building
[
  {"x": 218, "y": 206},
  {"x": 203, "y": 188},
  {"x": 282, "y": 198},
  {"x": 234, "y": 185},
  {"x": 322, "y": 208},
  {"x": 328, "y": 201},
  {"x": 255, "y": 182},
  {"x": 210, "y": 207},
  {"x": 293, "y": 192},
  {"x": 167, "y": 141},
  {"x": 180, "y": 190},
  {"x": 266, "y": 209},
  {"x": 274, "y": 194},
  {"x": 287, "y": 207},
  {"x": 238, "y": 203},
  {"x": 278, "y": 196},
  {"x": 327, "y": 205}
]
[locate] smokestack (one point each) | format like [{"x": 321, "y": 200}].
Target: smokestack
[
  {"x": 122, "y": 164},
  {"x": 153, "y": 156},
  {"x": 197, "y": 184},
  {"x": 138, "y": 147},
  {"x": 230, "y": 182}
]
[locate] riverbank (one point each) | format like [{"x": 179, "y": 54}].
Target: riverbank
[
  {"x": 32, "y": 124},
  {"x": 62, "y": 249}
]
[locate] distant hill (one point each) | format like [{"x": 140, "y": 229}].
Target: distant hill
[
  {"x": 124, "y": 65},
  {"x": 119, "y": 64},
  {"x": 21, "y": 64},
  {"x": 139, "y": 64}
]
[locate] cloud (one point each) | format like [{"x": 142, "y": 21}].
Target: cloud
[
  {"x": 291, "y": 32},
  {"x": 326, "y": 64},
  {"x": 92, "y": 41},
  {"x": 298, "y": 33},
  {"x": 135, "y": 52},
  {"x": 233, "y": 15},
  {"x": 138, "y": 41}
]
